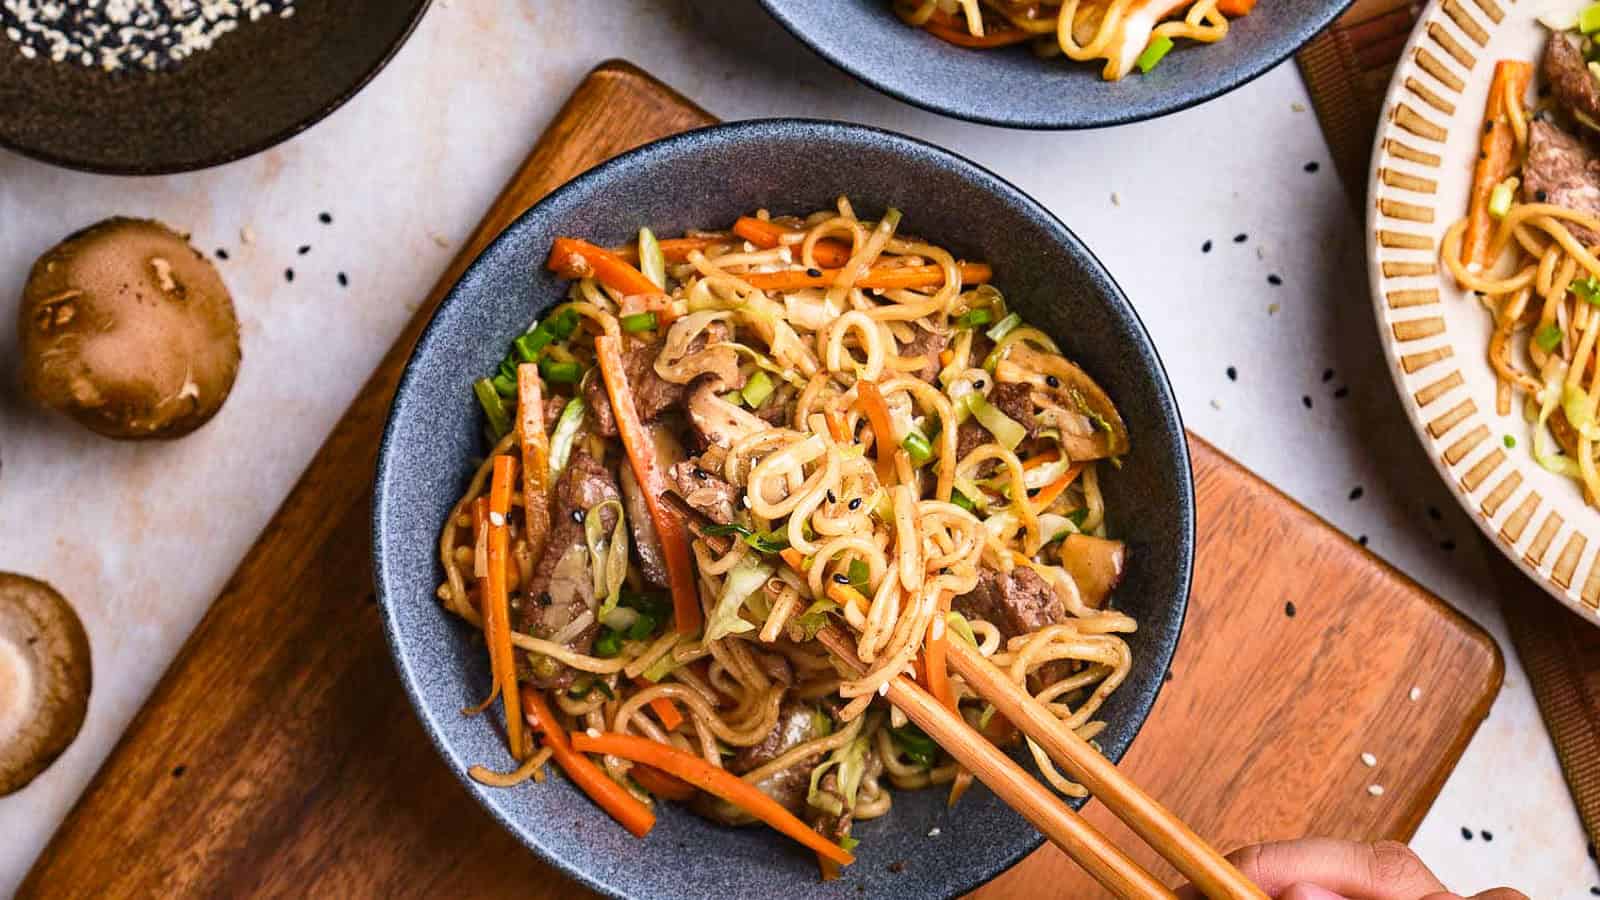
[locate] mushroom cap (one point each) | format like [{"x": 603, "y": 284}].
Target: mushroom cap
[
  {"x": 129, "y": 330},
  {"x": 44, "y": 678}
]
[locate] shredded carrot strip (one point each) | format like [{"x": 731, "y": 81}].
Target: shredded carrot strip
[
  {"x": 1034, "y": 462},
  {"x": 496, "y": 598},
  {"x": 1495, "y": 151},
  {"x": 836, "y": 429},
  {"x": 882, "y": 277},
  {"x": 664, "y": 708},
  {"x": 1235, "y": 8},
  {"x": 765, "y": 234},
  {"x": 945, "y": 356},
  {"x": 845, "y": 595},
  {"x": 870, "y": 401},
  {"x": 660, "y": 783},
  {"x": 937, "y": 676},
  {"x": 712, "y": 780},
  {"x": 961, "y": 37},
  {"x": 1051, "y": 491},
  {"x": 686, "y": 612},
  {"x": 535, "y": 459},
  {"x": 610, "y": 796},
  {"x": 574, "y": 258},
  {"x": 792, "y": 556}
]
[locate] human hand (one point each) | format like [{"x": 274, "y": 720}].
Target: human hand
[{"x": 1326, "y": 869}]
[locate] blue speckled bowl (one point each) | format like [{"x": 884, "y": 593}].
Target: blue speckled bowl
[
  {"x": 707, "y": 178},
  {"x": 1014, "y": 88}
]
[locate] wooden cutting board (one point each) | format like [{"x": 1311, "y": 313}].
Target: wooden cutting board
[{"x": 278, "y": 755}]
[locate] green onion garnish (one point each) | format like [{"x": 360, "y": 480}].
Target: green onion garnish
[
  {"x": 1004, "y": 327},
  {"x": 918, "y": 447},
  {"x": 608, "y": 644},
  {"x": 860, "y": 576},
  {"x": 505, "y": 387},
  {"x": 1153, "y": 53},
  {"x": 645, "y": 321},
  {"x": 493, "y": 407},
  {"x": 1500, "y": 198},
  {"x": 1588, "y": 290},
  {"x": 974, "y": 318},
  {"x": 757, "y": 389},
  {"x": 642, "y": 627},
  {"x": 528, "y": 346},
  {"x": 963, "y": 501},
  {"x": 564, "y": 325},
  {"x": 1547, "y": 338},
  {"x": 917, "y": 747},
  {"x": 1510, "y": 442},
  {"x": 557, "y": 372},
  {"x": 1589, "y": 19}
]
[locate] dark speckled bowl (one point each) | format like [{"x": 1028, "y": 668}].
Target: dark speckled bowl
[
  {"x": 707, "y": 178},
  {"x": 1012, "y": 87}
]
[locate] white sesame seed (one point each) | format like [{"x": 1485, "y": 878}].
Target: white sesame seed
[
  {"x": 1375, "y": 790},
  {"x": 937, "y": 630},
  {"x": 1368, "y": 760},
  {"x": 496, "y": 519},
  {"x": 247, "y": 235},
  {"x": 883, "y": 689},
  {"x": 114, "y": 34},
  {"x": 592, "y": 732},
  {"x": 1416, "y": 694},
  {"x": 934, "y": 831}
]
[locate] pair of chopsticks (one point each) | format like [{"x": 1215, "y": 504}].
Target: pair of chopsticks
[{"x": 1168, "y": 835}]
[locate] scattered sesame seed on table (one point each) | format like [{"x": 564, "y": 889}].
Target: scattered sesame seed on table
[{"x": 117, "y": 35}]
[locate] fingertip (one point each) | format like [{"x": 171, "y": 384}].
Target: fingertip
[{"x": 1302, "y": 890}]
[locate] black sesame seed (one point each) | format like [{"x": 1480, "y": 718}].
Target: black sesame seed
[
  {"x": 577, "y": 516},
  {"x": 832, "y": 498},
  {"x": 304, "y": 249},
  {"x": 544, "y": 598},
  {"x": 1341, "y": 393},
  {"x": 1362, "y": 540},
  {"x": 221, "y": 253},
  {"x": 1033, "y": 492},
  {"x": 344, "y": 280},
  {"x": 1052, "y": 380},
  {"x": 1312, "y": 166},
  {"x": 1590, "y": 848},
  {"x": 1356, "y": 492},
  {"x": 288, "y": 274},
  {"x": 1594, "y": 892},
  {"x": 178, "y": 770},
  {"x": 814, "y": 273},
  {"x": 841, "y": 578},
  {"x": 1305, "y": 400},
  {"x": 1206, "y": 247},
  {"x": 1488, "y": 125},
  {"x": 1327, "y": 375},
  {"x": 1233, "y": 374},
  {"x": 1447, "y": 545},
  {"x": 1274, "y": 280},
  {"x": 855, "y": 503},
  {"x": 1288, "y": 609},
  {"x": 978, "y": 385},
  {"x": 1167, "y": 676},
  {"x": 1486, "y": 835},
  {"x": 1240, "y": 238},
  {"x": 701, "y": 473},
  {"x": 1434, "y": 514},
  {"x": 1466, "y": 833},
  {"x": 325, "y": 218},
  {"x": 1540, "y": 196}
]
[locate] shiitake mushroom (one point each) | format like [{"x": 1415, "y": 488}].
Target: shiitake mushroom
[
  {"x": 129, "y": 330},
  {"x": 44, "y": 678}
]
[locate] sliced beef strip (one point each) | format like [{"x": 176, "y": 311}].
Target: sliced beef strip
[
  {"x": 646, "y": 545},
  {"x": 704, "y": 490},
  {"x": 1018, "y": 602},
  {"x": 927, "y": 346},
  {"x": 652, "y": 394},
  {"x": 1562, "y": 171},
  {"x": 1011, "y": 399},
  {"x": 1574, "y": 87},
  {"x": 798, "y": 722},
  {"x": 562, "y": 586},
  {"x": 969, "y": 437}
]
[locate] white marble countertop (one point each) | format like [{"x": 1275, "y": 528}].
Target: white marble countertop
[{"x": 142, "y": 537}]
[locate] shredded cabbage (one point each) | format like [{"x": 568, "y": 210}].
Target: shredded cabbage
[
  {"x": 1005, "y": 429},
  {"x": 651, "y": 260},
  {"x": 851, "y": 760},
  {"x": 609, "y": 557},
  {"x": 564, "y": 435},
  {"x": 957, "y": 623},
  {"x": 1549, "y": 397},
  {"x": 742, "y": 580}
]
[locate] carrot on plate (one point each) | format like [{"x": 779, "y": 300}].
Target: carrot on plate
[
  {"x": 870, "y": 401},
  {"x": 640, "y": 447},
  {"x": 1051, "y": 491},
  {"x": 1235, "y": 8},
  {"x": 1496, "y": 147},
  {"x": 713, "y": 780},
  {"x": 575, "y": 258},
  {"x": 496, "y": 598},
  {"x": 660, "y": 783},
  {"x": 880, "y": 277},
  {"x": 610, "y": 796},
  {"x": 767, "y": 234}
]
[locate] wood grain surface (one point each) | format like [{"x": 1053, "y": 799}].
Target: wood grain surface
[{"x": 279, "y": 757}]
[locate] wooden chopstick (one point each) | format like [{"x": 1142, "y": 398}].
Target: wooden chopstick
[
  {"x": 1042, "y": 807},
  {"x": 1167, "y": 834}
]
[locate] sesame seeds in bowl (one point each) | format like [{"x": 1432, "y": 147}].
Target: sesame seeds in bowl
[{"x": 143, "y": 87}]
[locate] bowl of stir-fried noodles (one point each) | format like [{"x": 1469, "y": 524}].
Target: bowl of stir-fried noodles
[
  {"x": 1048, "y": 64},
  {"x": 726, "y": 391}
]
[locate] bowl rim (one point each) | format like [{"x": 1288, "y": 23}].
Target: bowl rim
[
  {"x": 242, "y": 151},
  {"x": 739, "y": 131},
  {"x": 1071, "y": 118}
]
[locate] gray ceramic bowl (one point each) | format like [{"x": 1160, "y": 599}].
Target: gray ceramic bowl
[
  {"x": 707, "y": 178},
  {"x": 1012, "y": 87}
]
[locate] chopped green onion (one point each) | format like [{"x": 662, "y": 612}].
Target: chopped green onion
[
  {"x": 860, "y": 576},
  {"x": 1004, "y": 327},
  {"x": 1510, "y": 442},
  {"x": 1500, "y": 198},
  {"x": 661, "y": 668},
  {"x": 564, "y": 435},
  {"x": 733, "y": 397},
  {"x": 528, "y": 346},
  {"x": 642, "y": 627},
  {"x": 761, "y": 541},
  {"x": 917, "y": 747},
  {"x": 1547, "y": 338},
  {"x": 560, "y": 372},
  {"x": 757, "y": 389},
  {"x": 493, "y": 407},
  {"x": 1005, "y": 429},
  {"x": 963, "y": 501},
  {"x": 1589, "y": 19},
  {"x": 1588, "y": 290},
  {"x": 918, "y": 447},
  {"x": 608, "y": 644},
  {"x": 848, "y": 843},
  {"x": 563, "y": 325},
  {"x": 1077, "y": 516},
  {"x": 505, "y": 387},
  {"x": 645, "y": 321},
  {"x": 651, "y": 261},
  {"x": 1154, "y": 53},
  {"x": 507, "y": 368},
  {"x": 974, "y": 318}
]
